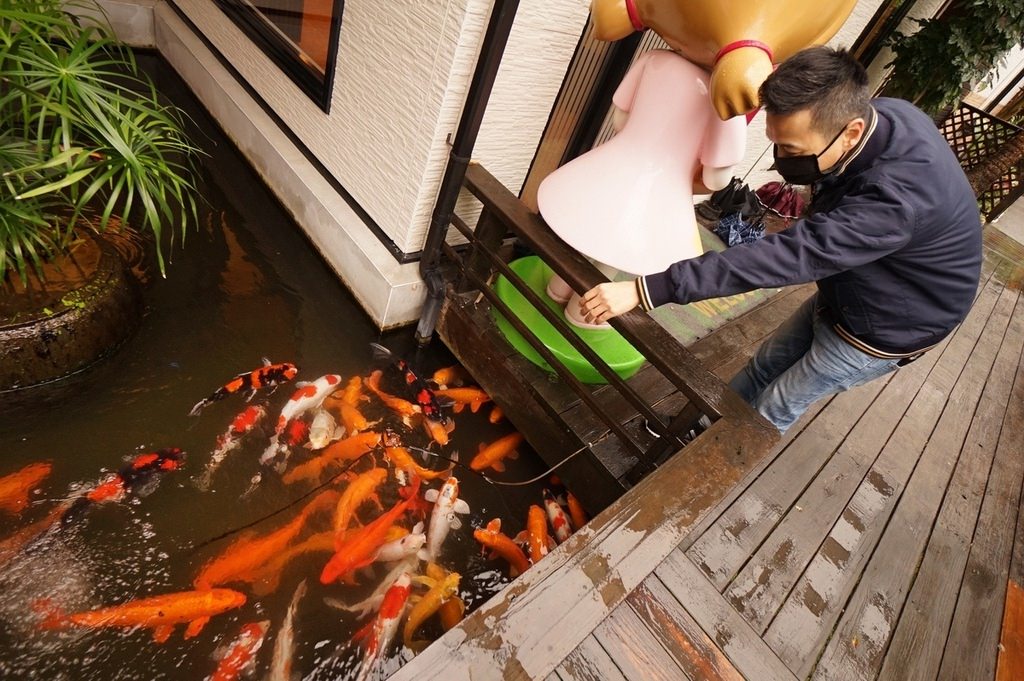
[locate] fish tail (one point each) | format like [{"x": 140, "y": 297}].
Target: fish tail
[
  {"x": 51, "y": 614},
  {"x": 381, "y": 353},
  {"x": 199, "y": 406}
]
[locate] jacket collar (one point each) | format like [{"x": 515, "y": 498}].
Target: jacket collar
[{"x": 870, "y": 146}]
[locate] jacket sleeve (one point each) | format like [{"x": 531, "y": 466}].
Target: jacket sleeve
[{"x": 862, "y": 228}]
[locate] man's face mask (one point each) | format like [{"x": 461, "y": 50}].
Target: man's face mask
[{"x": 802, "y": 169}]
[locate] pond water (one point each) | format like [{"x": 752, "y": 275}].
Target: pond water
[{"x": 247, "y": 285}]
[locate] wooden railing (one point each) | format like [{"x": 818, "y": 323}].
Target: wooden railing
[{"x": 504, "y": 216}]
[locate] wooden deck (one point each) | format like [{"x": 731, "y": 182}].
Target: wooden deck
[{"x": 881, "y": 539}]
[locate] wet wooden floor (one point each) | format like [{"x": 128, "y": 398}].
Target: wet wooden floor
[{"x": 881, "y": 538}]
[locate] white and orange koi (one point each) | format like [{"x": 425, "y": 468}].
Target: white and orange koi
[
  {"x": 323, "y": 430},
  {"x": 371, "y": 603},
  {"x": 379, "y": 633},
  {"x": 403, "y": 547},
  {"x": 240, "y": 657},
  {"x": 559, "y": 520},
  {"x": 307, "y": 396},
  {"x": 284, "y": 643},
  {"x": 443, "y": 517},
  {"x": 240, "y": 426}
]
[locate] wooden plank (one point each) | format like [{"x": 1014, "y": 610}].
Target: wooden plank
[
  {"x": 856, "y": 648},
  {"x": 915, "y": 651},
  {"x": 553, "y": 676},
  {"x": 733, "y": 636},
  {"x": 732, "y": 540},
  {"x": 688, "y": 644},
  {"x": 589, "y": 662},
  {"x": 974, "y": 634},
  {"x": 723, "y": 550},
  {"x": 471, "y": 337},
  {"x": 1011, "y": 644},
  {"x": 805, "y": 620},
  {"x": 533, "y": 624},
  {"x": 634, "y": 649}
]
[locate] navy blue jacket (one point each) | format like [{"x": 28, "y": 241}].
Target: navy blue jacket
[{"x": 893, "y": 241}]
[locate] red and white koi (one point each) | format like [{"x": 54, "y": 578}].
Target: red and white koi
[
  {"x": 307, "y": 396},
  {"x": 239, "y": 658},
  {"x": 284, "y": 643},
  {"x": 242, "y": 425},
  {"x": 378, "y": 635},
  {"x": 443, "y": 518},
  {"x": 268, "y": 375},
  {"x": 559, "y": 520},
  {"x": 371, "y": 603}
]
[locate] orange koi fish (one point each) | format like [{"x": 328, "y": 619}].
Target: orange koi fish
[
  {"x": 496, "y": 415},
  {"x": 535, "y": 536},
  {"x": 15, "y": 488},
  {"x": 451, "y": 612},
  {"x": 380, "y": 632},
  {"x": 307, "y": 396},
  {"x": 402, "y": 460},
  {"x": 243, "y": 559},
  {"x": 159, "y": 613},
  {"x": 404, "y": 408},
  {"x": 268, "y": 375},
  {"x": 492, "y": 455},
  {"x": 12, "y": 545},
  {"x": 284, "y": 643},
  {"x": 559, "y": 521},
  {"x": 500, "y": 545},
  {"x": 449, "y": 376},
  {"x": 474, "y": 398},
  {"x": 441, "y": 590},
  {"x": 345, "y": 403},
  {"x": 267, "y": 578},
  {"x": 360, "y": 547},
  {"x": 347, "y": 449},
  {"x": 240, "y": 426},
  {"x": 576, "y": 512},
  {"x": 240, "y": 656},
  {"x": 359, "y": 491}
]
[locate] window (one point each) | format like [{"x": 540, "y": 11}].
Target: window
[{"x": 301, "y": 36}]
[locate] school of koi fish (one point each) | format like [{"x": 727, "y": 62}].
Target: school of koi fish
[{"x": 343, "y": 467}]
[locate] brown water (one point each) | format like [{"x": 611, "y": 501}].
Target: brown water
[{"x": 248, "y": 285}]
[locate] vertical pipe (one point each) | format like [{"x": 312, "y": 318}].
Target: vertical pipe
[{"x": 498, "y": 28}]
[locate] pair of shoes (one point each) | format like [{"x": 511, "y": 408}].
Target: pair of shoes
[{"x": 687, "y": 437}]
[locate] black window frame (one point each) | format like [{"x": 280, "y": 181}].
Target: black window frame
[{"x": 285, "y": 53}]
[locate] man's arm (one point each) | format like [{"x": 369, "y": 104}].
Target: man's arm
[{"x": 863, "y": 228}]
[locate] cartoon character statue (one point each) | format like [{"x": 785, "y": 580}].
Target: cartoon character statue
[{"x": 627, "y": 204}]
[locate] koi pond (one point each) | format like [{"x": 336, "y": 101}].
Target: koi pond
[{"x": 138, "y": 541}]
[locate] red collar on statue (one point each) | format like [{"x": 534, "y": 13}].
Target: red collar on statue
[
  {"x": 735, "y": 45},
  {"x": 634, "y": 16}
]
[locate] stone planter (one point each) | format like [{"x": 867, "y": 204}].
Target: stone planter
[{"x": 89, "y": 304}]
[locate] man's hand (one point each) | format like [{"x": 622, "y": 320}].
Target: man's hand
[{"x": 605, "y": 301}]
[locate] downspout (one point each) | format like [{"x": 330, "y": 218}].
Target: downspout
[{"x": 498, "y": 28}]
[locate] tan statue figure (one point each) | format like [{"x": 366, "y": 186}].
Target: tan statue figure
[{"x": 738, "y": 40}]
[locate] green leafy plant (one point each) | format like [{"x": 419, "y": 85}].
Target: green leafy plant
[
  {"x": 82, "y": 130},
  {"x": 949, "y": 54}
]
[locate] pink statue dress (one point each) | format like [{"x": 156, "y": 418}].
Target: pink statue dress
[{"x": 628, "y": 203}]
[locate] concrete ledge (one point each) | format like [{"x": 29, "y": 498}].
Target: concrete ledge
[{"x": 389, "y": 292}]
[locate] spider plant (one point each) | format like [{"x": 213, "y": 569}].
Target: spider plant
[{"x": 83, "y": 131}]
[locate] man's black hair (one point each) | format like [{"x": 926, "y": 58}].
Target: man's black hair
[{"x": 830, "y": 83}]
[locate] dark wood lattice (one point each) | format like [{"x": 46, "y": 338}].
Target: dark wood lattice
[{"x": 974, "y": 136}]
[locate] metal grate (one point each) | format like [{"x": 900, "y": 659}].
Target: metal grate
[{"x": 975, "y": 136}]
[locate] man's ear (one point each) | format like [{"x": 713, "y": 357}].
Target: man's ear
[{"x": 854, "y": 131}]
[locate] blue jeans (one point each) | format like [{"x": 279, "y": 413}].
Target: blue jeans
[{"x": 802, "y": 362}]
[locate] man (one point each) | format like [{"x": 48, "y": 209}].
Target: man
[{"x": 893, "y": 241}]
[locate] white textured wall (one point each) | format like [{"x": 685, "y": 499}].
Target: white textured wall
[
  {"x": 759, "y": 155},
  {"x": 402, "y": 71}
]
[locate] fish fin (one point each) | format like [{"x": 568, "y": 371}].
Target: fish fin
[
  {"x": 52, "y": 615},
  {"x": 162, "y": 633},
  {"x": 445, "y": 401},
  {"x": 458, "y": 407},
  {"x": 460, "y": 506},
  {"x": 266, "y": 362},
  {"x": 494, "y": 525},
  {"x": 302, "y": 384},
  {"x": 523, "y": 538},
  {"x": 195, "y": 626},
  {"x": 498, "y": 466},
  {"x": 431, "y": 495},
  {"x": 350, "y": 579},
  {"x": 418, "y": 528},
  {"x": 455, "y": 523},
  {"x": 381, "y": 353},
  {"x": 475, "y": 405},
  {"x": 252, "y": 394},
  {"x": 198, "y": 407}
]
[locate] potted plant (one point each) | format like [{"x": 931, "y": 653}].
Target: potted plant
[{"x": 84, "y": 142}]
